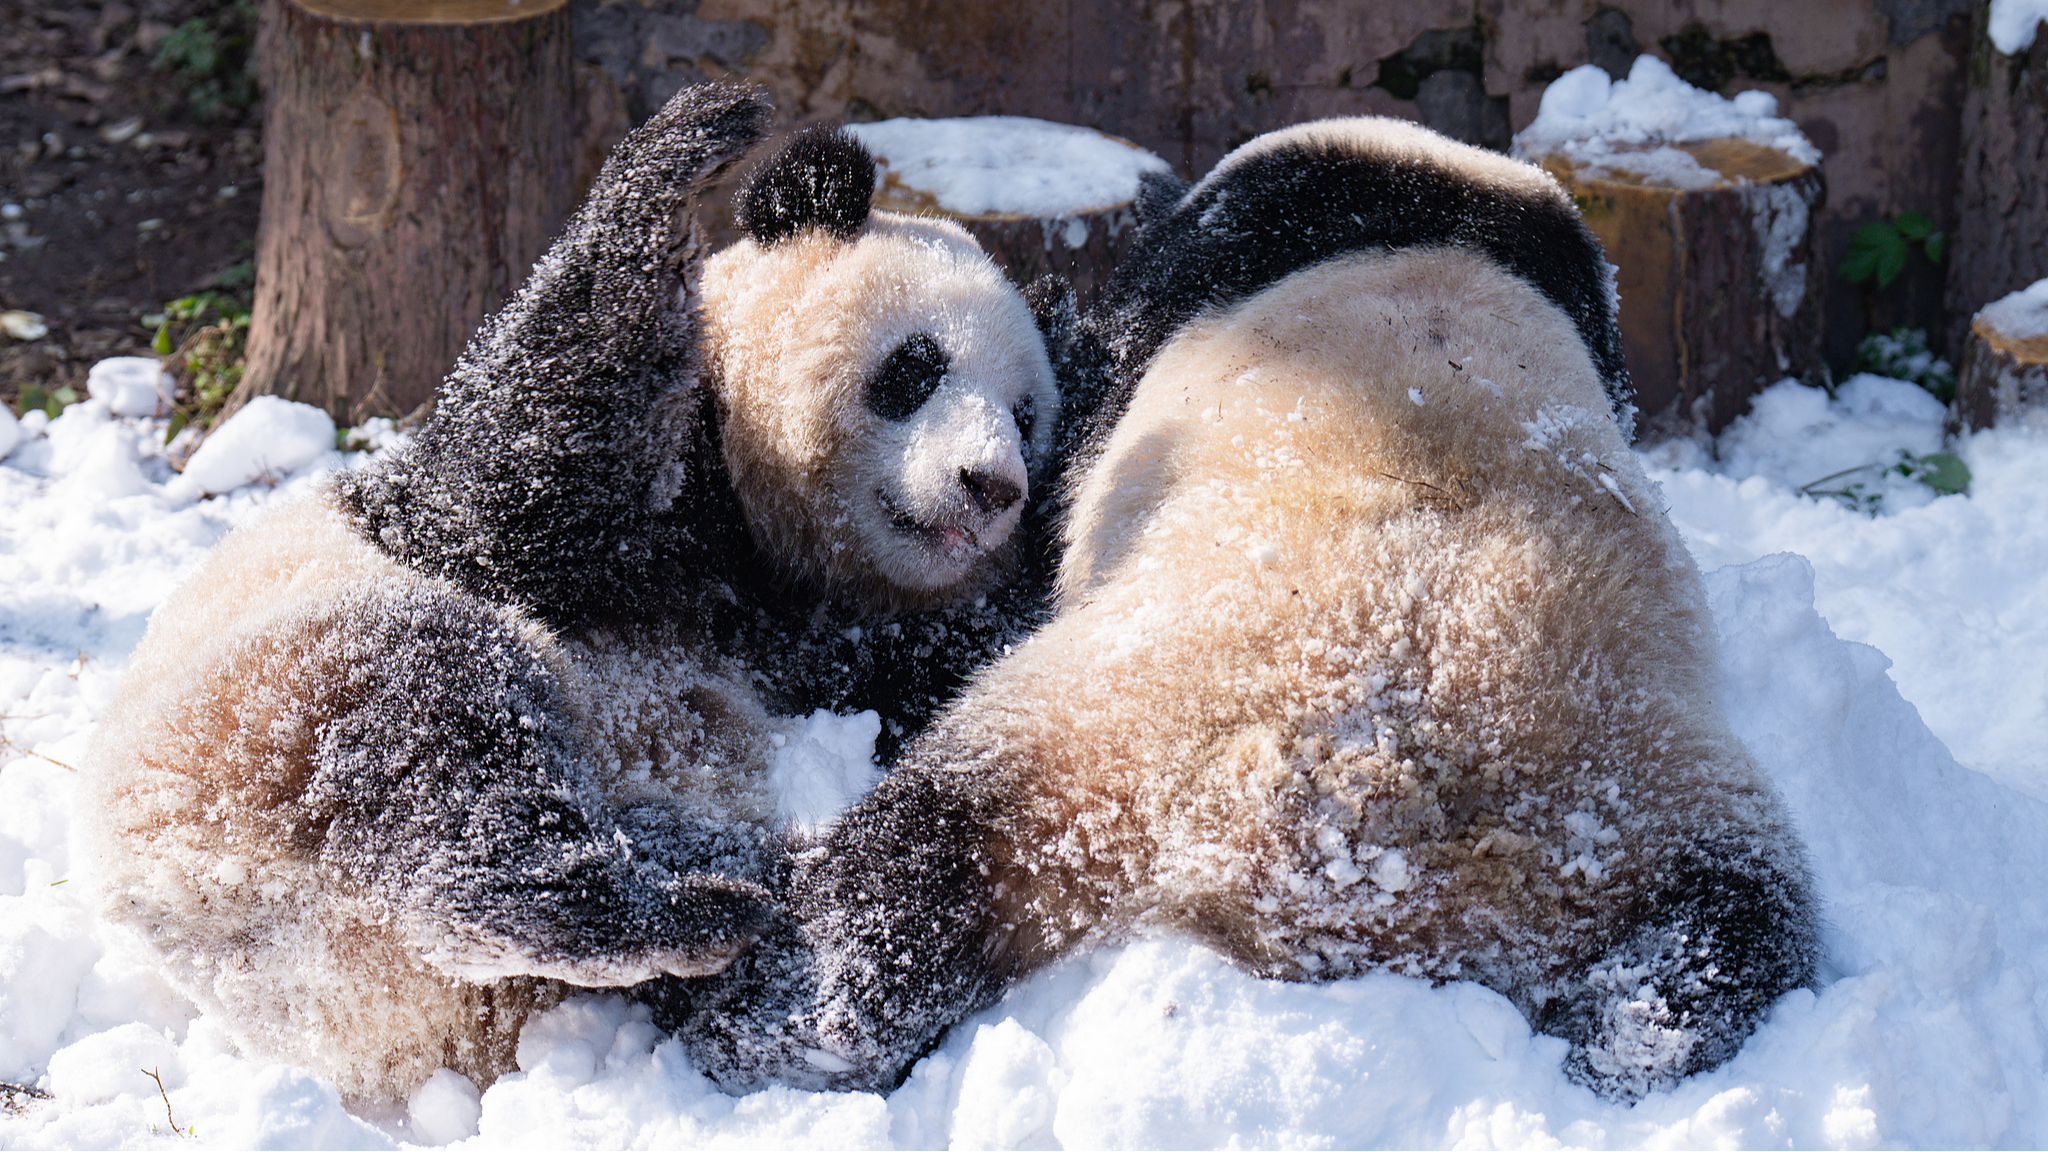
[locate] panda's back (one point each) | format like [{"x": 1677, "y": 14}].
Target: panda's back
[{"x": 1370, "y": 553}]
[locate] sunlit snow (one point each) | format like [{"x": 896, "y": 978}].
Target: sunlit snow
[{"x": 1889, "y": 671}]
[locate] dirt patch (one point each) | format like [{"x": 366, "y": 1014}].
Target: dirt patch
[{"x": 131, "y": 173}]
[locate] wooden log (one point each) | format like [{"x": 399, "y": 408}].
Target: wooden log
[
  {"x": 1022, "y": 208},
  {"x": 2005, "y": 363},
  {"x": 1721, "y": 285},
  {"x": 2001, "y": 235},
  {"x": 418, "y": 157}
]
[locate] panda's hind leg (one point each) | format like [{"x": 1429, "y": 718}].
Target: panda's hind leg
[
  {"x": 1703, "y": 962},
  {"x": 448, "y": 787}
]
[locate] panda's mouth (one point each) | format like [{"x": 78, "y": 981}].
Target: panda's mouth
[{"x": 956, "y": 540}]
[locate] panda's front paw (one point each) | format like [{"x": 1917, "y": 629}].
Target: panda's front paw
[
  {"x": 717, "y": 918},
  {"x": 688, "y": 925}
]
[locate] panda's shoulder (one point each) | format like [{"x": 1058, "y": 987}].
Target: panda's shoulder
[{"x": 1301, "y": 197}]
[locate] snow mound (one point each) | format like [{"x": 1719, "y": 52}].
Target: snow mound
[
  {"x": 270, "y": 437},
  {"x": 10, "y": 432},
  {"x": 1929, "y": 1027},
  {"x": 1008, "y": 166},
  {"x": 821, "y": 766},
  {"x": 2013, "y": 23},
  {"x": 2021, "y": 315},
  {"x": 1629, "y": 125},
  {"x": 131, "y": 385}
]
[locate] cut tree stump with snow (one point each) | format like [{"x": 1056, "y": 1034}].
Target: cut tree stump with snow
[
  {"x": 418, "y": 157},
  {"x": 1720, "y": 284},
  {"x": 1706, "y": 205},
  {"x": 1040, "y": 197},
  {"x": 2001, "y": 235},
  {"x": 2005, "y": 362}
]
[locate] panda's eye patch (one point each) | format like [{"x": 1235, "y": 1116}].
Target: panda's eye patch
[
  {"x": 1025, "y": 414},
  {"x": 907, "y": 378}
]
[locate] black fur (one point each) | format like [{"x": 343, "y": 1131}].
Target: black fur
[
  {"x": 550, "y": 473},
  {"x": 890, "y": 940},
  {"x": 906, "y": 378},
  {"x": 454, "y": 752},
  {"x": 1158, "y": 192},
  {"x": 1717, "y": 945},
  {"x": 824, "y": 179},
  {"x": 1297, "y": 205}
]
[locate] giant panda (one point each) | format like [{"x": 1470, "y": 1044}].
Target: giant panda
[
  {"x": 1374, "y": 651},
  {"x": 490, "y": 719}
]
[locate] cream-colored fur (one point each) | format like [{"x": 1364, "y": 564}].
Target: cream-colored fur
[
  {"x": 197, "y": 791},
  {"x": 1375, "y": 649}
]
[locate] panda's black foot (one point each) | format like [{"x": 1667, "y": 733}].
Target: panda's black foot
[{"x": 1684, "y": 991}]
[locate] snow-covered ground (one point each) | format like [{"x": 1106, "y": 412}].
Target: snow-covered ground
[{"x": 1889, "y": 671}]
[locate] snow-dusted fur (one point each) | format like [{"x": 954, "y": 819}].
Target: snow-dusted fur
[
  {"x": 1374, "y": 652},
  {"x": 493, "y": 716},
  {"x": 902, "y": 509}
]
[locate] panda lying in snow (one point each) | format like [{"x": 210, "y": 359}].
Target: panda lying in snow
[
  {"x": 1373, "y": 652},
  {"x": 487, "y": 717}
]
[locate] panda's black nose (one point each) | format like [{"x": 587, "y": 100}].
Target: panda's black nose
[{"x": 992, "y": 493}]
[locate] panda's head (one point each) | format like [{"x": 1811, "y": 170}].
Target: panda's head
[{"x": 884, "y": 393}]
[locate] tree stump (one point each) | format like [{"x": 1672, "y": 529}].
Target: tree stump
[
  {"x": 2005, "y": 362},
  {"x": 418, "y": 157},
  {"x": 1720, "y": 282},
  {"x": 2001, "y": 235},
  {"x": 1039, "y": 197}
]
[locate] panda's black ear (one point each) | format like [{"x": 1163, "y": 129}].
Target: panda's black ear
[
  {"x": 1158, "y": 192},
  {"x": 824, "y": 178}
]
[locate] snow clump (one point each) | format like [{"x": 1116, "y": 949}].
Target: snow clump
[
  {"x": 131, "y": 385},
  {"x": 2013, "y": 23},
  {"x": 2021, "y": 315},
  {"x": 1604, "y": 125},
  {"x": 269, "y": 438},
  {"x": 1008, "y": 166}
]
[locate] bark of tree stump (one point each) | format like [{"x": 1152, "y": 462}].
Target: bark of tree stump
[
  {"x": 2005, "y": 363},
  {"x": 1082, "y": 247},
  {"x": 2001, "y": 236},
  {"x": 418, "y": 157},
  {"x": 1721, "y": 287}
]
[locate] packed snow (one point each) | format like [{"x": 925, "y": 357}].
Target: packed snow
[
  {"x": 1889, "y": 671},
  {"x": 1629, "y": 125},
  {"x": 2013, "y": 24},
  {"x": 1009, "y": 166},
  {"x": 2021, "y": 315}
]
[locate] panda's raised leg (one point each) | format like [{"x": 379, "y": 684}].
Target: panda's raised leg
[
  {"x": 1711, "y": 952},
  {"x": 568, "y": 441},
  {"x": 893, "y": 937},
  {"x": 447, "y": 786}
]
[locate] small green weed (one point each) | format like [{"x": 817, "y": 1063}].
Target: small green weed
[
  {"x": 1944, "y": 472},
  {"x": 204, "y": 337},
  {"x": 34, "y": 397},
  {"x": 1902, "y": 354},
  {"x": 211, "y": 55},
  {"x": 1878, "y": 251}
]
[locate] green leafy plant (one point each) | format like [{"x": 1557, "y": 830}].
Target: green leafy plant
[
  {"x": 35, "y": 397},
  {"x": 1944, "y": 472},
  {"x": 210, "y": 54},
  {"x": 1877, "y": 252},
  {"x": 203, "y": 337},
  {"x": 1902, "y": 354}
]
